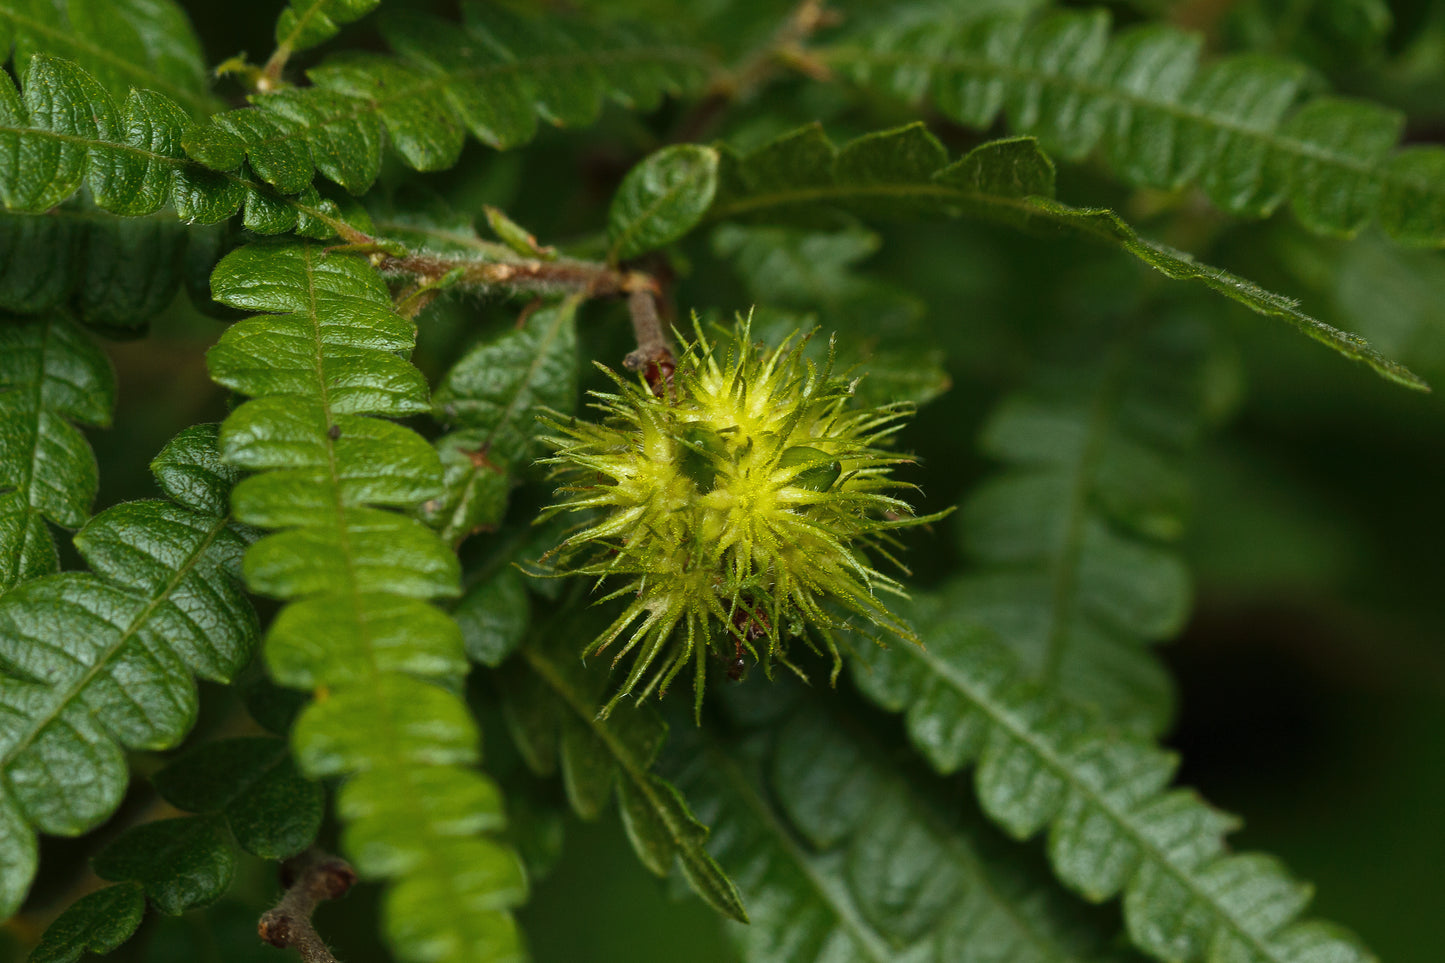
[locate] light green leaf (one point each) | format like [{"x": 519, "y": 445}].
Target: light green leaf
[
  {"x": 661, "y": 199},
  {"x": 385, "y": 666}
]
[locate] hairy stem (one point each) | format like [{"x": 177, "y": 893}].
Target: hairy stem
[{"x": 309, "y": 878}]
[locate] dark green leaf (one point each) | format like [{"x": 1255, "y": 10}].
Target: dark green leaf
[
  {"x": 307, "y": 23},
  {"x": 182, "y": 863},
  {"x": 802, "y": 173},
  {"x": 97, "y": 923},
  {"x": 1159, "y": 118},
  {"x": 124, "y": 43},
  {"x": 50, "y": 373},
  {"x": 551, "y": 700},
  {"x": 1114, "y": 826},
  {"x": 271, "y": 809},
  {"x": 92, "y": 663}
]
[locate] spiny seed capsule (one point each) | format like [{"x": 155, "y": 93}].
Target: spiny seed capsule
[{"x": 737, "y": 511}]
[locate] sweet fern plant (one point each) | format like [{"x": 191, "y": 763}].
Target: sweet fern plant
[{"x": 803, "y": 495}]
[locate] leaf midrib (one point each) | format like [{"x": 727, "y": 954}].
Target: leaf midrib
[
  {"x": 621, "y": 753},
  {"x": 1379, "y": 171},
  {"x": 109, "y": 652},
  {"x": 1045, "y": 753}
]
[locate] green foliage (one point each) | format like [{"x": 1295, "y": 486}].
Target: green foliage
[
  {"x": 906, "y": 172},
  {"x": 358, "y": 628},
  {"x": 511, "y": 70},
  {"x": 1114, "y": 828},
  {"x": 123, "y": 43},
  {"x": 553, "y": 703},
  {"x": 491, "y": 396},
  {"x": 661, "y": 199},
  {"x": 307, "y": 23},
  {"x": 1236, "y": 127},
  {"x": 1074, "y": 568},
  {"x": 91, "y": 664},
  {"x": 844, "y": 854},
  {"x": 673, "y": 158},
  {"x": 49, "y": 372},
  {"x": 66, "y": 133}
]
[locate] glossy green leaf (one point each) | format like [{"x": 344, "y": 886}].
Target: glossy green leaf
[
  {"x": 51, "y": 374},
  {"x": 326, "y": 357},
  {"x": 97, "y": 923},
  {"x": 66, "y": 132},
  {"x": 1114, "y": 828},
  {"x": 904, "y": 172},
  {"x": 661, "y": 199},
  {"x": 271, "y": 809},
  {"x": 491, "y": 77},
  {"x": 1239, "y": 126},
  {"x": 182, "y": 863},
  {"x": 94, "y": 663},
  {"x": 551, "y": 701},
  {"x": 124, "y": 43}
]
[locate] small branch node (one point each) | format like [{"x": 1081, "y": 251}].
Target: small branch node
[{"x": 309, "y": 878}]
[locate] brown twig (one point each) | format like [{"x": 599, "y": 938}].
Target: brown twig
[
  {"x": 309, "y": 878},
  {"x": 784, "y": 49},
  {"x": 653, "y": 356}
]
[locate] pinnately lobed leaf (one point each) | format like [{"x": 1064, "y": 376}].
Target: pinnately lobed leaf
[
  {"x": 1236, "y": 126},
  {"x": 1114, "y": 828},
  {"x": 733, "y": 508},
  {"x": 50, "y": 374},
  {"x": 491, "y": 77},
  {"x": 95, "y": 663},
  {"x": 905, "y": 171},
  {"x": 327, "y": 357}
]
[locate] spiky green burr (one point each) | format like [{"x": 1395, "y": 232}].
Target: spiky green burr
[{"x": 736, "y": 509}]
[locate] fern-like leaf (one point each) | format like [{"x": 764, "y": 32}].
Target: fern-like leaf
[
  {"x": 490, "y": 396},
  {"x": 122, "y": 43},
  {"x": 1238, "y": 126},
  {"x": 845, "y": 855},
  {"x": 1075, "y": 567},
  {"x": 906, "y": 172},
  {"x": 357, "y": 629},
  {"x": 50, "y": 373},
  {"x": 92, "y": 664},
  {"x": 66, "y": 132},
  {"x": 1114, "y": 828},
  {"x": 552, "y": 702},
  {"x": 491, "y": 78}
]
